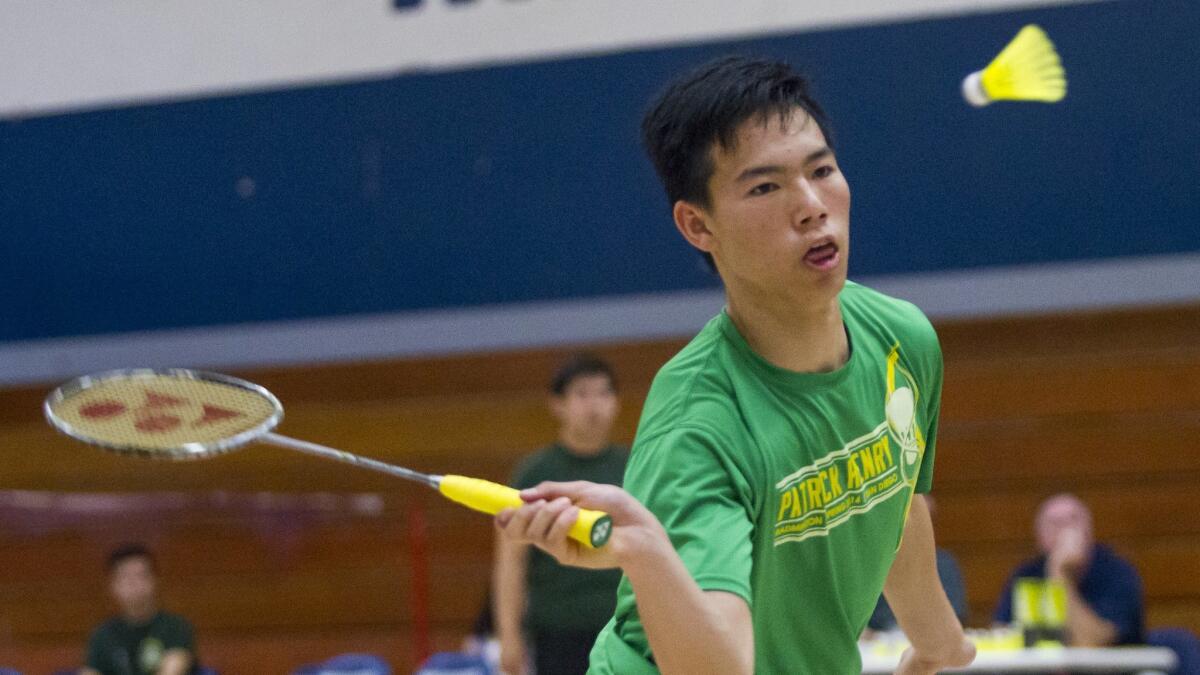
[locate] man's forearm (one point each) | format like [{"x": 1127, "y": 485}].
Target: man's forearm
[
  {"x": 1085, "y": 628},
  {"x": 914, "y": 590},
  {"x": 508, "y": 582},
  {"x": 690, "y": 630}
]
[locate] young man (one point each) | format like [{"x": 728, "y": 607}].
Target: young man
[
  {"x": 561, "y": 608},
  {"x": 770, "y": 488},
  {"x": 143, "y": 639}
]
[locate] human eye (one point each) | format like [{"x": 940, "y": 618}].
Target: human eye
[
  {"x": 824, "y": 171},
  {"x": 762, "y": 189}
]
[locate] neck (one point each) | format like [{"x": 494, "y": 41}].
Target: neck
[
  {"x": 582, "y": 444},
  {"x": 140, "y": 615},
  {"x": 812, "y": 340}
]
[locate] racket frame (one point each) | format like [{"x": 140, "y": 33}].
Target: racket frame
[{"x": 186, "y": 451}]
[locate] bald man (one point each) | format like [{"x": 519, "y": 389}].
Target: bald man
[{"x": 1104, "y": 592}]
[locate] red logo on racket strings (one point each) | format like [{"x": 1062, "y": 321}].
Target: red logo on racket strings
[{"x": 153, "y": 416}]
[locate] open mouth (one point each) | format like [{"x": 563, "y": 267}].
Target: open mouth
[{"x": 823, "y": 256}]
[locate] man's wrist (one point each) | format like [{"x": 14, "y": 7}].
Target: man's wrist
[
  {"x": 645, "y": 556},
  {"x": 1060, "y": 573},
  {"x": 952, "y": 652}
]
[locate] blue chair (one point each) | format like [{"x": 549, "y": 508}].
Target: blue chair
[
  {"x": 1183, "y": 642},
  {"x": 348, "y": 664},
  {"x": 455, "y": 663}
]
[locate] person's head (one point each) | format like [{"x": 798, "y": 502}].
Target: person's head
[
  {"x": 133, "y": 580},
  {"x": 743, "y": 151},
  {"x": 1059, "y": 515},
  {"x": 583, "y": 397}
]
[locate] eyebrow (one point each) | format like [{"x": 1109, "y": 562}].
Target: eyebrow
[{"x": 767, "y": 169}]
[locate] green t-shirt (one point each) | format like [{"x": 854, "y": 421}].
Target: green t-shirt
[
  {"x": 120, "y": 648},
  {"x": 565, "y": 598},
  {"x": 787, "y": 489}
]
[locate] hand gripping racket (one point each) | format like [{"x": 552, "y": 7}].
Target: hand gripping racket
[{"x": 189, "y": 414}]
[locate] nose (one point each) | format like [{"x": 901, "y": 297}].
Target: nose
[{"x": 810, "y": 210}]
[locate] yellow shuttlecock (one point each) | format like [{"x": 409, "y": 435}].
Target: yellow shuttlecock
[{"x": 1028, "y": 69}]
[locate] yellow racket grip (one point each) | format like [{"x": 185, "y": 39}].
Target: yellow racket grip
[{"x": 591, "y": 529}]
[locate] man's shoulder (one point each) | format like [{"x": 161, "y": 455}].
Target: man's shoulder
[
  {"x": 1113, "y": 564},
  {"x": 174, "y": 630},
  {"x": 107, "y": 629},
  {"x": 539, "y": 456},
  {"x": 866, "y": 303},
  {"x": 695, "y": 383},
  {"x": 534, "y": 463},
  {"x": 1031, "y": 567},
  {"x": 171, "y": 620}
]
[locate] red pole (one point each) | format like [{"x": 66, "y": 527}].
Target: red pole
[{"x": 418, "y": 548}]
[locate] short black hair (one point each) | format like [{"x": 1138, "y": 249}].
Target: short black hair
[
  {"x": 127, "y": 552},
  {"x": 706, "y": 106},
  {"x": 579, "y": 365}
]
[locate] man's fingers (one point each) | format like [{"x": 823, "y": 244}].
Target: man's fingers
[
  {"x": 544, "y": 517},
  {"x": 562, "y": 524},
  {"x": 535, "y": 522},
  {"x": 550, "y": 490},
  {"x": 503, "y": 518},
  {"x": 518, "y": 522},
  {"x": 607, "y": 498}
]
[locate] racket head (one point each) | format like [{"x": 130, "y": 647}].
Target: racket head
[{"x": 172, "y": 413}]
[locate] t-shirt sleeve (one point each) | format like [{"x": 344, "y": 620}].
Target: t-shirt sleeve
[
  {"x": 96, "y": 658},
  {"x": 702, "y": 500},
  {"x": 932, "y": 404},
  {"x": 526, "y": 475},
  {"x": 178, "y": 635}
]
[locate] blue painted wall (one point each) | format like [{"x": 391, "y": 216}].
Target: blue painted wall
[{"x": 526, "y": 182}]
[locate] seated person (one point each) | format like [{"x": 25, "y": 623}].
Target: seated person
[
  {"x": 142, "y": 639},
  {"x": 952, "y": 581},
  {"x": 1104, "y": 591}
]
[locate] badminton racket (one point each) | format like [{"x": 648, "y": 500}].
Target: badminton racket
[{"x": 184, "y": 414}]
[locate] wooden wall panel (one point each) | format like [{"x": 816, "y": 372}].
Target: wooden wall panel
[{"x": 1105, "y": 405}]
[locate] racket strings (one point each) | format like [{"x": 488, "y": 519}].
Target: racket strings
[{"x": 160, "y": 412}]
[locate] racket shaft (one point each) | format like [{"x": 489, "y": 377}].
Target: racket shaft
[
  {"x": 345, "y": 457},
  {"x": 591, "y": 529}
]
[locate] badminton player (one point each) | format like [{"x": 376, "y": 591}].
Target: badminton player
[{"x": 770, "y": 488}]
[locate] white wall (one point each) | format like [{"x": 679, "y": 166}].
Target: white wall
[{"x": 61, "y": 55}]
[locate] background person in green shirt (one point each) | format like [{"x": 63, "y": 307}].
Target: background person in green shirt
[
  {"x": 770, "y": 487},
  {"x": 142, "y": 639},
  {"x": 561, "y": 608}
]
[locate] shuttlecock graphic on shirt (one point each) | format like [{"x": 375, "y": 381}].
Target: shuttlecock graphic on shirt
[
  {"x": 900, "y": 409},
  {"x": 901, "y": 420}
]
